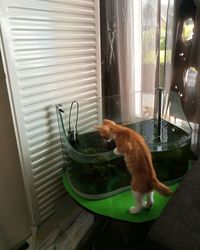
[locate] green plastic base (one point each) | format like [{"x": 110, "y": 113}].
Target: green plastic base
[{"x": 117, "y": 206}]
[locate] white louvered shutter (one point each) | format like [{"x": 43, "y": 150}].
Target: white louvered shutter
[{"x": 51, "y": 53}]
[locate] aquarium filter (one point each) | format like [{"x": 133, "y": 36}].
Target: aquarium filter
[{"x": 73, "y": 131}]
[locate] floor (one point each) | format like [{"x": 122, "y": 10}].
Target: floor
[
  {"x": 116, "y": 235},
  {"x": 62, "y": 237},
  {"x": 106, "y": 234}
]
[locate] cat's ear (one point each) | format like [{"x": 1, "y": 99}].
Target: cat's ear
[
  {"x": 112, "y": 125},
  {"x": 113, "y": 128},
  {"x": 109, "y": 122}
]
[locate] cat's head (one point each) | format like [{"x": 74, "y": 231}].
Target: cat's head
[
  {"x": 110, "y": 130},
  {"x": 106, "y": 130}
]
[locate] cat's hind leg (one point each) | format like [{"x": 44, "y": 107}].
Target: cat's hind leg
[
  {"x": 149, "y": 203},
  {"x": 138, "y": 202}
]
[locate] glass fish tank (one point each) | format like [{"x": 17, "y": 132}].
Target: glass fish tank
[{"x": 91, "y": 167}]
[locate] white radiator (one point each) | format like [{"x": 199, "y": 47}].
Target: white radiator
[{"x": 51, "y": 52}]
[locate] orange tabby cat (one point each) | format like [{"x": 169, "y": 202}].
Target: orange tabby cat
[{"x": 138, "y": 160}]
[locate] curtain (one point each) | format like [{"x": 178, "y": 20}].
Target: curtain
[
  {"x": 170, "y": 55},
  {"x": 129, "y": 47},
  {"x": 117, "y": 56}
]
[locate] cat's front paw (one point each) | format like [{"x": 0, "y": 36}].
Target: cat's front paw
[
  {"x": 135, "y": 210},
  {"x": 116, "y": 152}
]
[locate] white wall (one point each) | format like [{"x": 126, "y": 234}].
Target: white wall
[{"x": 14, "y": 218}]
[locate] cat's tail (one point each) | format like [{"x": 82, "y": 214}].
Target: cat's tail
[{"x": 161, "y": 188}]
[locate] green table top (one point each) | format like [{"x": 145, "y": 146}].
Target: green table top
[{"x": 117, "y": 206}]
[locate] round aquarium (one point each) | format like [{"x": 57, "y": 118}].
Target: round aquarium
[{"x": 91, "y": 167}]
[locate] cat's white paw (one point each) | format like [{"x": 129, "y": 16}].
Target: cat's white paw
[
  {"x": 135, "y": 210},
  {"x": 116, "y": 152},
  {"x": 148, "y": 205}
]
